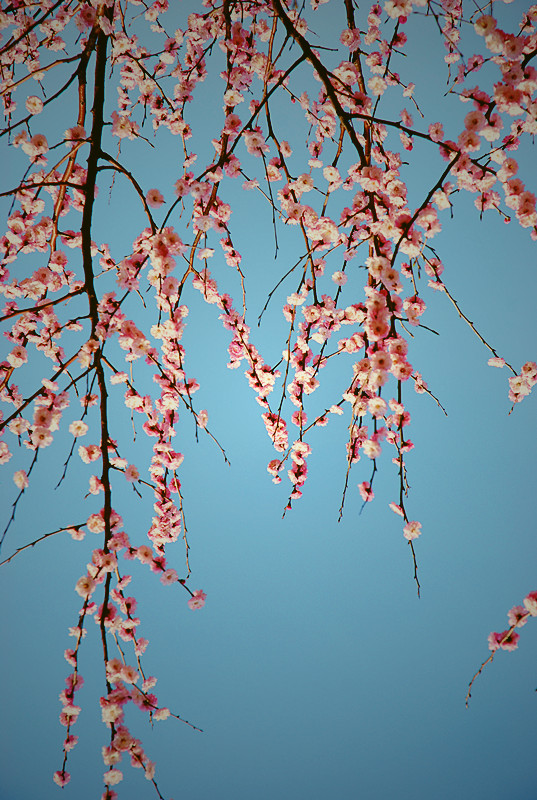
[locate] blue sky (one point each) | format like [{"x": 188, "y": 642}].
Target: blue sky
[{"x": 314, "y": 670}]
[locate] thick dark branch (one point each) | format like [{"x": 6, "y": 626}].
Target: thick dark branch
[
  {"x": 323, "y": 75},
  {"x": 91, "y": 178},
  {"x": 45, "y": 304}
]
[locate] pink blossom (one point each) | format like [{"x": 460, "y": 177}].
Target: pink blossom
[
  {"x": 18, "y": 356},
  {"x": 366, "y": 491},
  {"x": 85, "y": 586},
  {"x": 372, "y": 448},
  {"x": 70, "y": 742},
  {"x": 169, "y": 576},
  {"x": 112, "y": 777},
  {"x": 505, "y": 639},
  {"x": 412, "y": 530},
  {"x": 21, "y": 479},
  {"x": 304, "y": 183},
  {"x": 61, "y": 778},
  {"x": 122, "y": 740},
  {"x": 203, "y": 418},
  {"x": 154, "y": 198},
  {"x": 110, "y": 712},
  {"x": 350, "y": 38},
  {"x": 518, "y": 615},
  {"x": 145, "y": 554},
  {"x": 129, "y": 674},
  {"x": 475, "y": 120},
  {"x": 250, "y": 185},
  {"x": 69, "y": 715},
  {"x": 18, "y": 426},
  {"x": 78, "y": 428},
  {"x": 530, "y": 603},
  {"x": 182, "y": 187},
  {"x": 89, "y": 453},
  {"x": 529, "y": 371},
  {"x": 113, "y": 670},
  {"x": 377, "y": 85},
  {"x": 519, "y": 387},
  {"x": 95, "y": 485},
  {"x": 95, "y": 523},
  {"x": 75, "y": 134},
  {"x": 255, "y": 143},
  {"x": 5, "y": 453},
  {"x": 86, "y": 17},
  {"x": 110, "y": 756},
  {"x": 20, "y": 138},
  {"x": 339, "y": 278},
  {"x": 377, "y": 406},
  {"x": 232, "y": 98},
  {"x": 43, "y": 417},
  {"x": 131, "y": 473},
  {"x": 106, "y": 561},
  {"x": 197, "y": 600},
  {"x": 37, "y": 146},
  {"x": 41, "y": 437},
  {"x": 123, "y": 127},
  {"x": 484, "y": 25},
  {"x": 436, "y": 132},
  {"x": 34, "y": 105},
  {"x": 398, "y": 8}
]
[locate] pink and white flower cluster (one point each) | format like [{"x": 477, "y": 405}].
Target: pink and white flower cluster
[
  {"x": 517, "y": 616},
  {"x": 355, "y": 296}
]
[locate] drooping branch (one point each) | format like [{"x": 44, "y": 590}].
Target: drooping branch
[{"x": 323, "y": 74}]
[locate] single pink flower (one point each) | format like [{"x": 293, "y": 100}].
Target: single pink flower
[
  {"x": 518, "y": 615},
  {"x": 131, "y": 473},
  {"x": 412, "y": 530},
  {"x": 197, "y": 600},
  {"x": 129, "y": 674},
  {"x": 85, "y": 586},
  {"x": 169, "y": 576},
  {"x": 530, "y": 602},
  {"x": 61, "y": 778},
  {"x": 366, "y": 491},
  {"x": 339, "y": 277},
  {"x": 75, "y": 134},
  {"x": 154, "y": 198},
  {"x": 78, "y": 428},
  {"x": 18, "y": 356},
  {"x": 34, "y": 105},
  {"x": 21, "y": 479},
  {"x": 112, "y": 777}
]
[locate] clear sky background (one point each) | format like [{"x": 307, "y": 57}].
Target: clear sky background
[{"x": 314, "y": 670}]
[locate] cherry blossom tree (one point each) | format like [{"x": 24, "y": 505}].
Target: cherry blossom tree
[{"x": 327, "y": 135}]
